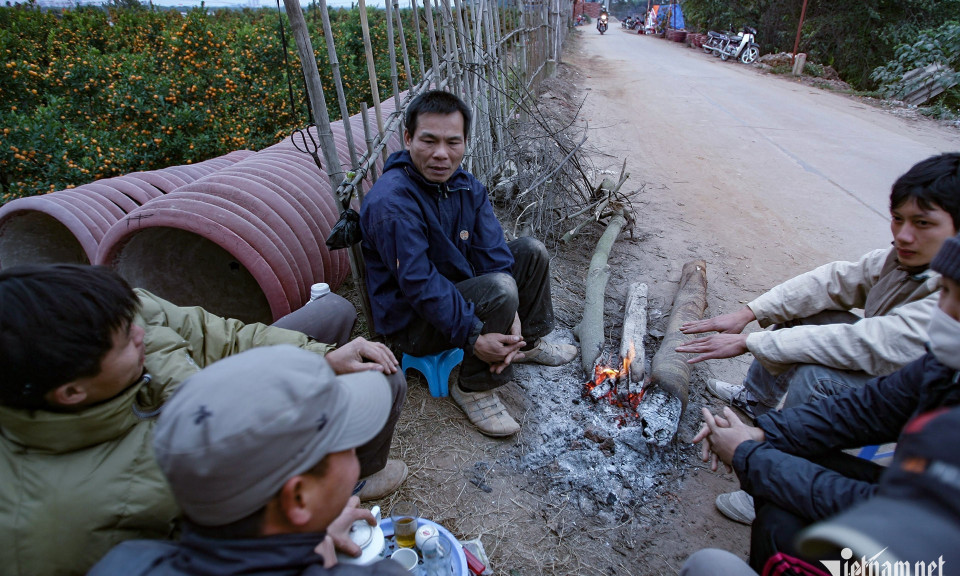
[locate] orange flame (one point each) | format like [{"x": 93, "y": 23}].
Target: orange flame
[{"x": 628, "y": 401}]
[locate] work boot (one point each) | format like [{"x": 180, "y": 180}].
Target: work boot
[
  {"x": 737, "y": 506},
  {"x": 384, "y": 482},
  {"x": 735, "y": 395},
  {"x": 548, "y": 353},
  {"x": 485, "y": 411}
]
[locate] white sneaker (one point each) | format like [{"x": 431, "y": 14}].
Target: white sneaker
[
  {"x": 548, "y": 354},
  {"x": 733, "y": 394},
  {"x": 737, "y": 506},
  {"x": 724, "y": 390}
]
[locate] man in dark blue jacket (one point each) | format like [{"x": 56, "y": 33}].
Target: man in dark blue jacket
[
  {"x": 440, "y": 274},
  {"x": 792, "y": 461}
]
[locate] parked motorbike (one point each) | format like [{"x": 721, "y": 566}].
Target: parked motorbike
[
  {"x": 602, "y": 23},
  {"x": 741, "y": 46},
  {"x": 631, "y": 22}
]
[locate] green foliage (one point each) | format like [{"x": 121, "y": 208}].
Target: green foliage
[
  {"x": 852, "y": 37},
  {"x": 813, "y": 69},
  {"x": 96, "y": 92},
  {"x": 938, "y": 48}
]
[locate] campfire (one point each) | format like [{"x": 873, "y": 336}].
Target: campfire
[{"x": 614, "y": 386}]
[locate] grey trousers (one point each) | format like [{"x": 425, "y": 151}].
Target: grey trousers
[{"x": 330, "y": 320}]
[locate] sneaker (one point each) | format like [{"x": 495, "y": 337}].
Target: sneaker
[
  {"x": 549, "y": 354},
  {"x": 384, "y": 482},
  {"x": 485, "y": 411},
  {"x": 737, "y": 506},
  {"x": 733, "y": 394},
  {"x": 724, "y": 390}
]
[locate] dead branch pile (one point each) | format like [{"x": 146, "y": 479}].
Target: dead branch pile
[{"x": 546, "y": 184}]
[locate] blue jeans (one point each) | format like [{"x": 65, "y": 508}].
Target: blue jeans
[{"x": 802, "y": 383}]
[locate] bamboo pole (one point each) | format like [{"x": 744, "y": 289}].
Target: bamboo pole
[
  {"x": 337, "y": 81},
  {"x": 501, "y": 74},
  {"x": 314, "y": 91},
  {"x": 403, "y": 45},
  {"x": 433, "y": 40},
  {"x": 319, "y": 105},
  {"x": 392, "y": 51},
  {"x": 371, "y": 66},
  {"x": 449, "y": 50},
  {"x": 523, "y": 45},
  {"x": 369, "y": 138},
  {"x": 416, "y": 29},
  {"x": 492, "y": 98}
]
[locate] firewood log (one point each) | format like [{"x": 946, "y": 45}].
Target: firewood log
[{"x": 670, "y": 369}]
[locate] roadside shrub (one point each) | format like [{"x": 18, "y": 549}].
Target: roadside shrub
[{"x": 936, "y": 47}]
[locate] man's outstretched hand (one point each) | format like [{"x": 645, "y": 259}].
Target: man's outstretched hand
[
  {"x": 715, "y": 346},
  {"x": 361, "y": 354},
  {"x": 732, "y": 323}
]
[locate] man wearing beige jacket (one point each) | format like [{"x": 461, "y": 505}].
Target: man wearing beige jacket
[{"x": 818, "y": 347}]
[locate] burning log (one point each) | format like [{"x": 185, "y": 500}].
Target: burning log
[
  {"x": 590, "y": 329},
  {"x": 670, "y": 369},
  {"x": 634, "y": 329}
]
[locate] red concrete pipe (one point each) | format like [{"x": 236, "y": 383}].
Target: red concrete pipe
[{"x": 242, "y": 235}]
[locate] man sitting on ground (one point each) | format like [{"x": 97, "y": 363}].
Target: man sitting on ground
[
  {"x": 820, "y": 347},
  {"x": 439, "y": 272},
  {"x": 793, "y": 463},
  {"x": 86, "y": 365},
  {"x": 260, "y": 453}
]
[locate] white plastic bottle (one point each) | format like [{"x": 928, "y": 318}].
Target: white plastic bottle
[{"x": 319, "y": 290}]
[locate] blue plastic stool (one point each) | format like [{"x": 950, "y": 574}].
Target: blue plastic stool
[{"x": 435, "y": 368}]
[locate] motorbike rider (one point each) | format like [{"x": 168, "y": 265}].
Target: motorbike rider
[{"x": 602, "y": 19}]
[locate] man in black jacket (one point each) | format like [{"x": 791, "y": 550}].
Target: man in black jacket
[{"x": 792, "y": 462}]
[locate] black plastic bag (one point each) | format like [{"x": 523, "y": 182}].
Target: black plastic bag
[{"x": 346, "y": 232}]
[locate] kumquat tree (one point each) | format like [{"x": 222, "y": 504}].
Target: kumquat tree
[{"x": 94, "y": 92}]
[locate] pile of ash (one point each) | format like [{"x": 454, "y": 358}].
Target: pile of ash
[{"x": 600, "y": 452}]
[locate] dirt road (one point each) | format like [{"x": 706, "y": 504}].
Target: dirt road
[
  {"x": 762, "y": 176},
  {"x": 759, "y": 175}
]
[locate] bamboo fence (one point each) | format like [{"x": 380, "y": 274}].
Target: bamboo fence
[{"x": 491, "y": 53}]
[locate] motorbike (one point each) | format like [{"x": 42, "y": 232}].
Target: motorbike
[
  {"x": 631, "y": 22},
  {"x": 741, "y": 46},
  {"x": 602, "y": 23}
]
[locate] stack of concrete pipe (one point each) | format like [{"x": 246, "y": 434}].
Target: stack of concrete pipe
[{"x": 242, "y": 235}]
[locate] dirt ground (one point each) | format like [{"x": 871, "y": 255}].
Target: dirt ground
[{"x": 553, "y": 500}]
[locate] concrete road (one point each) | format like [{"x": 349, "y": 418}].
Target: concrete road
[{"x": 760, "y": 161}]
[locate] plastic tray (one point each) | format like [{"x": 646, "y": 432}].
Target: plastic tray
[{"x": 459, "y": 559}]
